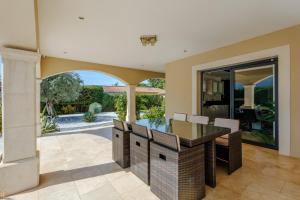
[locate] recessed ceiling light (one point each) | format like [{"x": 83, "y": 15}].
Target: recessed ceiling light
[{"x": 81, "y": 18}]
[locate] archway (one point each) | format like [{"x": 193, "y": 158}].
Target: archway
[
  {"x": 24, "y": 73},
  {"x": 77, "y": 100}
]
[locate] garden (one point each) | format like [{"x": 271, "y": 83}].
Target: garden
[{"x": 66, "y": 102}]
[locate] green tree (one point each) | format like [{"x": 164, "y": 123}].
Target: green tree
[
  {"x": 60, "y": 88},
  {"x": 157, "y": 83},
  {"x": 153, "y": 82}
]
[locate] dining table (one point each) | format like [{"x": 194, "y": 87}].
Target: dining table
[{"x": 191, "y": 134}]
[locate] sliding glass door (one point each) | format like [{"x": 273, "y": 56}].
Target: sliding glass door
[
  {"x": 216, "y": 94},
  {"x": 247, "y": 92}
]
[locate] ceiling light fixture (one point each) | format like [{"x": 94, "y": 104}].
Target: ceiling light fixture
[{"x": 148, "y": 40}]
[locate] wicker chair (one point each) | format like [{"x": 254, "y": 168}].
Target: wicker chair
[
  {"x": 198, "y": 119},
  {"x": 180, "y": 116},
  {"x": 229, "y": 147},
  {"x": 140, "y": 152},
  {"x": 177, "y": 172},
  {"x": 121, "y": 143}
]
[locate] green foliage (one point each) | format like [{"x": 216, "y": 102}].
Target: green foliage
[
  {"x": 154, "y": 112},
  {"x": 68, "y": 109},
  {"x": 120, "y": 106},
  {"x": 154, "y": 82},
  {"x": 267, "y": 112},
  {"x": 89, "y": 117},
  {"x": 151, "y": 101},
  {"x": 141, "y": 101},
  {"x": 95, "y": 108},
  {"x": 48, "y": 123},
  {"x": 108, "y": 103},
  {"x": 60, "y": 88},
  {"x": 89, "y": 95},
  {"x": 140, "y": 105},
  {"x": 263, "y": 94},
  {"x": 157, "y": 83}
]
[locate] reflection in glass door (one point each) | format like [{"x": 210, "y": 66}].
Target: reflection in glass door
[
  {"x": 216, "y": 94},
  {"x": 247, "y": 92},
  {"x": 255, "y": 104}
]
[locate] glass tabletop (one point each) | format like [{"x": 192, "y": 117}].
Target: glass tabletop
[{"x": 191, "y": 132}]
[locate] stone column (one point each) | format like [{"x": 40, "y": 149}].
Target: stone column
[
  {"x": 38, "y": 108},
  {"x": 38, "y": 98},
  {"x": 249, "y": 95},
  {"x": 19, "y": 169},
  {"x": 131, "y": 105}
]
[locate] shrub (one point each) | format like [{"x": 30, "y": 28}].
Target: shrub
[
  {"x": 88, "y": 95},
  {"x": 120, "y": 105},
  {"x": 89, "y": 117},
  {"x": 95, "y": 108},
  {"x": 140, "y": 101},
  {"x": 48, "y": 124},
  {"x": 68, "y": 109},
  {"x": 108, "y": 102},
  {"x": 154, "y": 112}
]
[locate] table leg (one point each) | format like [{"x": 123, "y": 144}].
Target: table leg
[{"x": 210, "y": 163}]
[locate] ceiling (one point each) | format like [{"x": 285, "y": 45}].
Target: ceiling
[
  {"x": 17, "y": 24},
  {"x": 111, "y": 29}
]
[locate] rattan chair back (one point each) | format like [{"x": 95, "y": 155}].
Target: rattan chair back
[
  {"x": 168, "y": 140},
  {"x": 140, "y": 130},
  {"x": 233, "y": 124}
]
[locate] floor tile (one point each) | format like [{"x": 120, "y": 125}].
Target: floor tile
[{"x": 79, "y": 166}]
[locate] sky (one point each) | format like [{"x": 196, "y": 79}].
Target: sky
[{"x": 97, "y": 78}]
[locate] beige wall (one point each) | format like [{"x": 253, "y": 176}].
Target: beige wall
[
  {"x": 51, "y": 66},
  {"x": 179, "y": 74}
]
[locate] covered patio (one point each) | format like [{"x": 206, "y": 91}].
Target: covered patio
[{"x": 134, "y": 41}]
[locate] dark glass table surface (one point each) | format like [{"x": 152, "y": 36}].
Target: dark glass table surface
[{"x": 190, "y": 134}]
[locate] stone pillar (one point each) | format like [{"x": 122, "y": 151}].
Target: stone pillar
[
  {"x": 19, "y": 169},
  {"x": 249, "y": 95},
  {"x": 38, "y": 98},
  {"x": 38, "y": 108},
  {"x": 131, "y": 105}
]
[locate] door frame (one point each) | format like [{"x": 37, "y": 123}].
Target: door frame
[
  {"x": 251, "y": 64},
  {"x": 284, "y": 84}
]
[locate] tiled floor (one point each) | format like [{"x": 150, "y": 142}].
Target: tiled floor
[{"x": 79, "y": 166}]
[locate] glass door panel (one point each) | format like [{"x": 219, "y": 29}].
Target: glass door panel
[
  {"x": 255, "y": 104},
  {"x": 216, "y": 94},
  {"x": 247, "y": 92}
]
